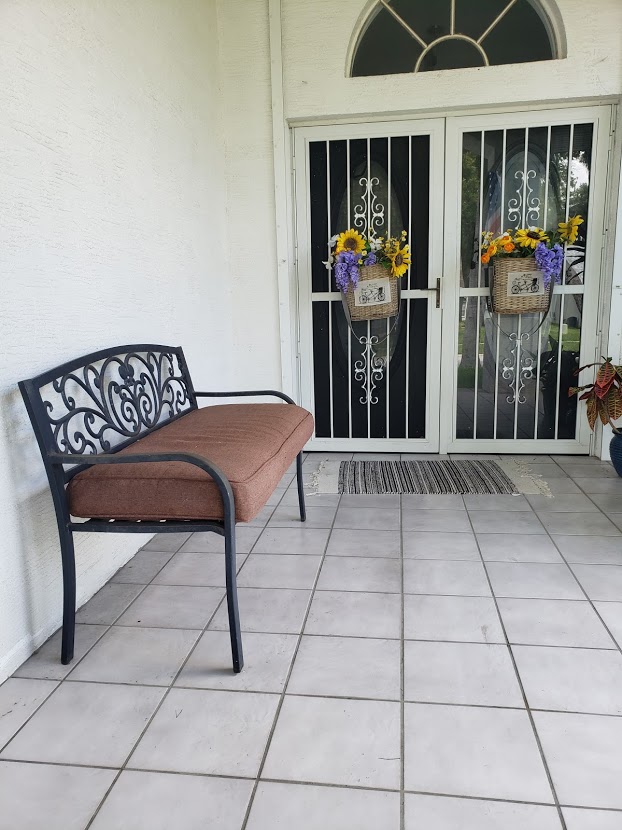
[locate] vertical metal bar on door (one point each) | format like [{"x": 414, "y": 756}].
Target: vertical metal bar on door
[
  {"x": 545, "y": 219},
  {"x": 519, "y": 344},
  {"x": 560, "y": 323},
  {"x": 330, "y": 288},
  {"x": 498, "y": 326},
  {"x": 368, "y": 322},
  {"x": 407, "y": 301},
  {"x": 517, "y": 373},
  {"x": 479, "y": 282},
  {"x": 349, "y": 369},
  {"x": 517, "y": 359},
  {"x": 387, "y": 373}
]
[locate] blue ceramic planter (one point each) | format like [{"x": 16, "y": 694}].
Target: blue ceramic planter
[{"x": 615, "y": 450}]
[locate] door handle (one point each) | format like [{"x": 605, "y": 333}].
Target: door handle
[{"x": 437, "y": 291}]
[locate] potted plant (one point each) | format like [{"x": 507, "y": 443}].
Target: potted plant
[
  {"x": 367, "y": 269},
  {"x": 604, "y": 401},
  {"x": 527, "y": 262}
]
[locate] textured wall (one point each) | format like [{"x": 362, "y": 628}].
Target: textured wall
[
  {"x": 317, "y": 38},
  {"x": 247, "y": 121},
  {"x": 111, "y": 218}
]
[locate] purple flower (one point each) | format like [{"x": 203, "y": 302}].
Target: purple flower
[
  {"x": 347, "y": 269},
  {"x": 550, "y": 261},
  {"x": 341, "y": 275},
  {"x": 371, "y": 259}
]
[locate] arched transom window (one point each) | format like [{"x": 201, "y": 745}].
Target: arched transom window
[{"x": 425, "y": 35}]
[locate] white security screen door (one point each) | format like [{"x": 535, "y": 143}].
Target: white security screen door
[
  {"x": 506, "y": 377},
  {"x": 372, "y": 385},
  {"x": 491, "y": 383}
]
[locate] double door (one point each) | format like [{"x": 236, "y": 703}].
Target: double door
[{"x": 445, "y": 373}]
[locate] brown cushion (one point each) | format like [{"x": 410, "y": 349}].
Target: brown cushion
[{"x": 253, "y": 444}]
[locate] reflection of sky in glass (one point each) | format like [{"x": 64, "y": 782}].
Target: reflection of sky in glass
[{"x": 580, "y": 171}]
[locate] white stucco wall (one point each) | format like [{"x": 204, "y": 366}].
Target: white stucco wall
[
  {"x": 316, "y": 45},
  {"x": 111, "y": 220},
  {"x": 247, "y": 122}
]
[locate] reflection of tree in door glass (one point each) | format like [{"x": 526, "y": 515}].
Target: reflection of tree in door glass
[{"x": 518, "y": 177}]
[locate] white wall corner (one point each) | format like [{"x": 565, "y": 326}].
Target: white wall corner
[{"x": 614, "y": 318}]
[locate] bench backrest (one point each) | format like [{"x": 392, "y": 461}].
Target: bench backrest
[{"x": 104, "y": 401}]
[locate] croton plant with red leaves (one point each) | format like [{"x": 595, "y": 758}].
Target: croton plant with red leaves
[{"x": 604, "y": 396}]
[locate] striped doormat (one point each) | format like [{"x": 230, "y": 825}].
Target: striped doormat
[{"x": 424, "y": 477}]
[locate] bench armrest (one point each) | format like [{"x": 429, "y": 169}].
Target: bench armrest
[{"x": 245, "y": 394}]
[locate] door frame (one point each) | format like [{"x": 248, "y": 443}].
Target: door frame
[
  {"x": 600, "y": 116},
  {"x": 302, "y": 136},
  {"x": 445, "y": 167}
]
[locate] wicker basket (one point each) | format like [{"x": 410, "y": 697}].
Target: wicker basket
[
  {"x": 362, "y": 301},
  {"x": 513, "y": 293}
]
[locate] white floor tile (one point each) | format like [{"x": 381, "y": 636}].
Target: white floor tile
[
  {"x": 296, "y": 807},
  {"x": 553, "y": 622},
  {"x": 463, "y": 619},
  {"x": 584, "y": 755},
  {"x": 470, "y": 751},
  {"x": 578, "y": 819},
  {"x": 429, "y": 812},
  {"x": 464, "y": 673},
  {"x": 161, "y": 801},
  {"x": 330, "y": 741},
  {"x": 571, "y": 679},
  {"x": 347, "y": 667}
]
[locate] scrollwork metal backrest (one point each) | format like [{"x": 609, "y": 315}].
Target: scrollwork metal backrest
[{"x": 111, "y": 401}]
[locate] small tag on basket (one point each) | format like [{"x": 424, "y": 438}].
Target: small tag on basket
[
  {"x": 525, "y": 283},
  {"x": 372, "y": 292}
]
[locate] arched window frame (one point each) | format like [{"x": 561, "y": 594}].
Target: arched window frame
[{"x": 547, "y": 10}]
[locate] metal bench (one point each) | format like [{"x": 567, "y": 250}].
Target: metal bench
[{"x": 87, "y": 416}]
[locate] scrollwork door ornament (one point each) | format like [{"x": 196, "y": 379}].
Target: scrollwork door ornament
[
  {"x": 369, "y": 216},
  {"x": 518, "y": 367},
  {"x": 532, "y": 203}
]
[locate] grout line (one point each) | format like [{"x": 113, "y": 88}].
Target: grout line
[
  {"x": 349, "y": 637},
  {"x": 522, "y": 690},
  {"x": 588, "y": 598},
  {"x": 321, "y": 784},
  {"x": 5, "y": 745},
  {"x": 287, "y": 679},
  {"x": 299, "y": 634},
  {"x": 155, "y": 712},
  {"x": 76, "y": 663}
]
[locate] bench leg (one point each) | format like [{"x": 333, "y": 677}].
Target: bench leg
[
  {"x": 69, "y": 595},
  {"x": 301, "y": 492},
  {"x": 232, "y": 597}
]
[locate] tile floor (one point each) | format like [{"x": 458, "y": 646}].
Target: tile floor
[{"x": 442, "y": 663}]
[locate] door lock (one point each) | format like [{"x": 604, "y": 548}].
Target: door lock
[{"x": 437, "y": 291}]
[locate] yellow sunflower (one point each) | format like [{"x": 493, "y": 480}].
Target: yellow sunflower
[
  {"x": 568, "y": 231},
  {"x": 350, "y": 240},
  {"x": 400, "y": 260},
  {"x": 530, "y": 237}
]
